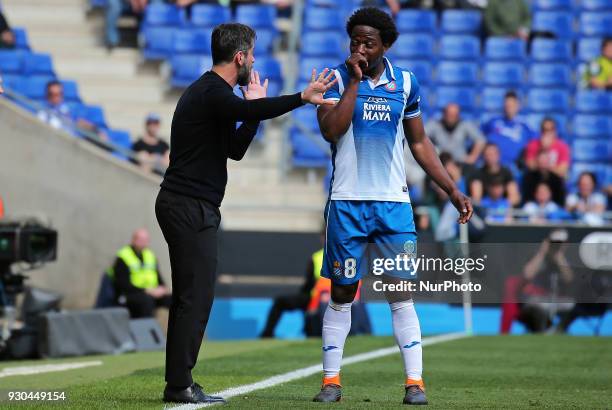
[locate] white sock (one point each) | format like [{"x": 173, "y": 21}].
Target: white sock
[
  {"x": 336, "y": 327},
  {"x": 408, "y": 337}
]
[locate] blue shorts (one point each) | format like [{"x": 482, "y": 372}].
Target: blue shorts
[{"x": 365, "y": 236}]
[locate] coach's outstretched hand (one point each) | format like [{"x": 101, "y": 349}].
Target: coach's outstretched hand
[
  {"x": 463, "y": 205},
  {"x": 317, "y": 87},
  {"x": 255, "y": 89}
]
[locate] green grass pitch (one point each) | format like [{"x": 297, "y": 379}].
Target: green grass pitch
[{"x": 477, "y": 372}]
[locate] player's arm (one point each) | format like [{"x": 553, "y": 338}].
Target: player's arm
[
  {"x": 425, "y": 154},
  {"x": 335, "y": 120}
]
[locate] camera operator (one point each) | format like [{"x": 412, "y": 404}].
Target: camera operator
[{"x": 532, "y": 298}]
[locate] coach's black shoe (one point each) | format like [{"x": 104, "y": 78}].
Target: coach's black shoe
[
  {"x": 415, "y": 395},
  {"x": 191, "y": 394},
  {"x": 329, "y": 393}
]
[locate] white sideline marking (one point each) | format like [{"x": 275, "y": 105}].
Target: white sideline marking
[
  {"x": 310, "y": 370},
  {"x": 46, "y": 368}
]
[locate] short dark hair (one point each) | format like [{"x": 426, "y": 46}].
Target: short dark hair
[
  {"x": 590, "y": 175},
  {"x": 605, "y": 42},
  {"x": 548, "y": 119},
  {"x": 230, "y": 38},
  {"x": 511, "y": 94},
  {"x": 51, "y": 83},
  {"x": 446, "y": 157},
  {"x": 375, "y": 18}
]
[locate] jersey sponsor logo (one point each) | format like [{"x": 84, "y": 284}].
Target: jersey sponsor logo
[
  {"x": 376, "y": 112},
  {"x": 391, "y": 86},
  {"x": 376, "y": 100}
]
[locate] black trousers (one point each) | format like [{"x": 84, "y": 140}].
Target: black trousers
[
  {"x": 190, "y": 228},
  {"x": 140, "y": 304},
  {"x": 281, "y": 305}
]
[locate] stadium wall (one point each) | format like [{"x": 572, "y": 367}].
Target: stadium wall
[{"x": 94, "y": 200}]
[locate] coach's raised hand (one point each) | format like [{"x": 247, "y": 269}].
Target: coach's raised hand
[
  {"x": 317, "y": 87},
  {"x": 255, "y": 89}
]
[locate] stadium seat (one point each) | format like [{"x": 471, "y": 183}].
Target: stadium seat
[
  {"x": 71, "y": 91},
  {"x": 416, "y": 21},
  {"x": 608, "y": 177},
  {"x": 159, "y": 14},
  {"x": 593, "y": 126},
  {"x": 457, "y": 73},
  {"x": 158, "y": 42},
  {"x": 35, "y": 86},
  {"x": 599, "y": 170},
  {"x": 307, "y": 152},
  {"x": 492, "y": 98},
  {"x": 325, "y": 3},
  {"x": 504, "y": 74},
  {"x": 323, "y": 44},
  {"x": 422, "y": 70},
  {"x": 93, "y": 114},
  {"x": 460, "y": 47},
  {"x": 265, "y": 39},
  {"x": 11, "y": 61},
  {"x": 417, "y": 46},
  {"x": 38, "y": 64},
  {"x": 543, "y": 5},
  {"x": 464, "y": 96},
  {"x": 306, "y": 118},
  {"x": 588, "y": 101},
  {"x": 120, "y": 138},
  {"x": 210, "y": 15},
  {"x": 21, "y": 38},
  {"x": 257, "y": 16},
  {"x": 14, "y": 82},
  {"x": 550, "y": 75},
  {"x": 461, "y": 21},
  {"x": 307, "y": 64},
  {"x": 591, "y": 150},
  {"x": 503, "y": 48},
  {"x": 268, "y": 67},
  {"x": 592, "y": 5},
  {"x": 534, "y": 121},
  {"x": 548, "y": 100},
  {"x": 187, "y": 68},
  {"x": 316, "y": 19},
  {"x": 551, "y": 50},
  {"x": 191, "y": 41},
  {"x": 588, "y": 49},
  {"x": 596, "y": 24},
  {"x": 559, "y": 23}
]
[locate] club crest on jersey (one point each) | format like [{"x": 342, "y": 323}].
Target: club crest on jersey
[
  {"x": 391, "y": 86},
  {"x": 337, "y": 268}
]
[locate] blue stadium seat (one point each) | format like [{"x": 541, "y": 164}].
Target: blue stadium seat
[
  {"x": 158, "y": 42},
  {"x": 120, "y": 138},
  {"x": 97, "y": 3},
  {"x": 268, "y": 67},
  {"x": 35, "y": 86},
  {"x": 506, "y": 74},
  {"x": 274, "y": 88},
  {"x": 306, "y": 117},
  {"x": 265, "y": 39},
  {"x": 307, "y": 64},
  {"x": 588, "y": 49},
  {"x": 550, "y": 75},
  {"x": 306, "y": 152},
  {"x": 187, "y": 68},
  {"x": 460, "y": 47},
  {"x": 599, "y": 170},
  {"x": 593, "y": 5},
  {"x": 548, "y": 100},
  {"x": 323, "y": 44},
  {"x": 593, "y": 126},
  {"x": 503, "y": 48},
  {"x": 11, "y": 61},
  {"x": 14, "y": 82},
  {"x": 256, "y": 16},
  {"x": 551, "y": 50},
  {"x": 417, "y": 46},
  {"x": 38, "y": 64},
  {"x": 21, "y": 38},
  {"x": 596, "y": 24},
  {"x": 591, "y": 150},
  {"x": 588, "y": 101},
  {"x": 492, "y": 98},
  {"x": 534, "y": 121},
  {"x": 160, "y": 14},
  {"x": 93, "y": 114},
  {"x": 607, "y": 180},
  {"x": 464, "y": 96},
  {"x": 71, "y": 91},
  {"x": 461, "y": 21},
  {"x": 542, "y": 5},
  {"x": 323, "y": 3},
  {"x": 191, "y": 41},
  {"x": 457, "y": 73},
  {"x": 210, "y": 15},
  {"x": 421, "y": 69},
  {"x": 416, "y": 21},
  {"x": 558, "y": 22},
  {"x": 321, "y": 19}
]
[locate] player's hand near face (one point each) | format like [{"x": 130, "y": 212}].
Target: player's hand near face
[
  {"x": 255, "y": 89},
  {"x": 313, "y": 94},
  {"x": 356, "y": 64},
  {"x": 463, "y": 204}
]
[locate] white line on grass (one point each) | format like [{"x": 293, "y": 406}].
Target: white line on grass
[
  {"x": 46, "y": 368},
  {"x": 310, "y": 370}
]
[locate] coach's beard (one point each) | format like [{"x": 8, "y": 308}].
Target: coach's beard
[{"x": 244, "y": 75}]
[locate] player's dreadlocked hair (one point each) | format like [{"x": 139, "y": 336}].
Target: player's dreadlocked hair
[{"x": 376, "y": 18}]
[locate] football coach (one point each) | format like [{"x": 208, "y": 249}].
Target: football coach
[{"x": 203, "y": 137}]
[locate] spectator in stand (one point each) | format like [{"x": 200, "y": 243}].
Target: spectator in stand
[
  {"x": 543, "y": 174},
  {"x": 497, "y": 206},
  {"x": 587, "y": 203},
  {"x": 151, "y": 151},
  {"x": 451, "y": 134},
  {"x": 114, "y": 9},
  {"x": 7, "y": 37},
  {"x": 557, "y": 151},
  {"x": 598, "y": 74},
  {"x": 507, "y": 132},
  {"x": 507, "y": 18},
  {"x": 493, "y": 170},
  {"x": 543, "y": 206}
]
